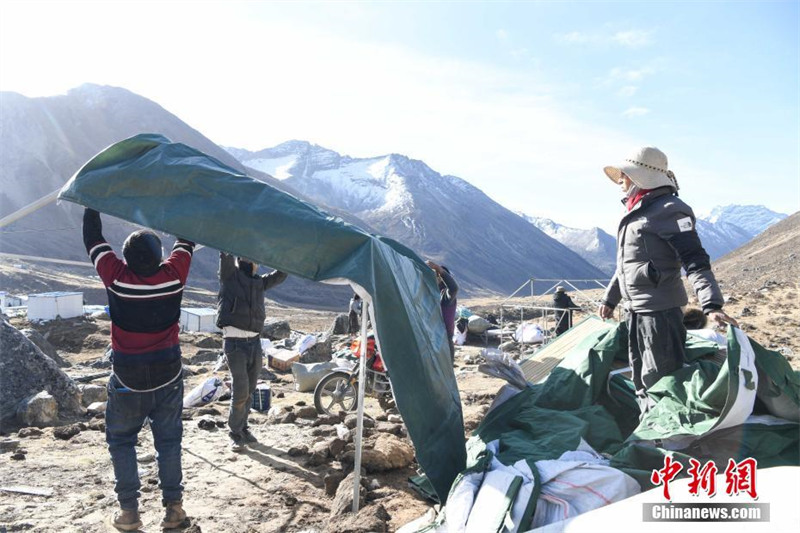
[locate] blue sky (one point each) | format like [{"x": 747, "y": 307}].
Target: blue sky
[{"x": 525, "y": 100}]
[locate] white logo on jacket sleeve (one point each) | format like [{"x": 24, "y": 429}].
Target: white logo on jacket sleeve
[{"x": 685, "y": 224}]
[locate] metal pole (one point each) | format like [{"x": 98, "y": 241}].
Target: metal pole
[
  {"x": 30, "y": 208},
  {"x": 362, "y": 376}
]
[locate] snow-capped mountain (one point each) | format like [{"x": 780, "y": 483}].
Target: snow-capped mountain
[
  {"x": 753, "y": 219},
  {"x": 46, "y": 140},
  {"x": 721, "y": 231},
  {"x": 594, "y": 245},
  {"x": 438, "y": 216}
]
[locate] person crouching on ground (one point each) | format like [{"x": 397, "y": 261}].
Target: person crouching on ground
[
  {"x": 656, "y": 237},
  {"x": 241, "y": 315},
  {"x": 144, "y": 303}
]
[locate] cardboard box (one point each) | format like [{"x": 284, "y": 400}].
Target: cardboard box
[{"x": 283, "y": 359}]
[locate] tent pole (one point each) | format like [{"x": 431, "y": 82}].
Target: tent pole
[
  {"x": 30, "y": 208},
  {"x": 362, "y": 376}
]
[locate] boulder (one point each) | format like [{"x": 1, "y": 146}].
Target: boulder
[
  {"x": 369, "y": 519},
  {"x": 336, "y": 446},
  {"x": 389, "y": 453},
  {"x": 319, "y": 352},
  {"x": 308, "y": 411},
  {"x": 25, "y": 371},
  {"x": 341, "y": 325},
  {"x": 281, "y": 415},
  {"x": 276, "y": 329},
  {"x": 92, "y": 394},
  {"x": 204, "y": 356},
  {"x": 319, "y": 454},
  {"x": 44, "y": 345},
  {"x": 343, "y": 501},
  {"x": 96, "y": 407},
  {"x": 332, "y": 480},
  {"x": 66, "y": 432},
  {"x": 208, "y": 342},
  {"x": 352, "y": 421},
  {"x": 40, "y": 410}
]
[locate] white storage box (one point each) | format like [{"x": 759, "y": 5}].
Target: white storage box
[
  {"x": 50, "y": 305},
  {"x": 199, "y": 319}
]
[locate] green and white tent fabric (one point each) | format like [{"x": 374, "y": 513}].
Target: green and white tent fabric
[
  {"x": 747, "y": 407},
  {"x": 174, "y": 188}
]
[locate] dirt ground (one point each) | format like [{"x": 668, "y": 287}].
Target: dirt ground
[{"x": 266, "y": 489}]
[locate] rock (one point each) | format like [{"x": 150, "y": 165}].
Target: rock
[
  {"x": 276, "y": 329},
  {"x": 25, "y": 371},
  {"x": 146, "y": 458},
  {"x": 204, "y": 356},
  {"x": 387, "y": 427},
  {"x": 66, "y": 432},
  {"x": 296, "y": 451},
  {"x": 383, "y": 417},
  {"x": 319, "y": 454},
  {"x": 281, "y": 415},
  {"x": 300, "y": 403},
  {"x": 395, "y": 419},
  {"x": 40, "y": 410},
  {"x": 92, "y": 394},
  {"x": 389, "y": 453},
  {"x": 29, "y": 432},
  {"x": 279, "y": 395},
  {"x": 208, "y": 411},
  {"x": 48, "y": 349},
  {"x": 370, "y": 519},
  {"x": 374, "y": 485},
  {"x": 341, "y": 325},
  {"x": 332, "y": 480},
  {"x": 207, "y": 424},
  {"x": 471, "y": 358},
  {"x": 343, "y": 501},
  {"x": 352, "y": 421},
  {"x": 320, "y": 351},
  {"x": 336, "y": 446},
  {"x": 508, "y": 345},
  {"x": 343, "y": 433},
  {"x": 18, "y": 456},
  {"x": 327, "y": 420},
  {"x": 220, "y": 423},
  {"x": 97, "y": 425},
  {"x": 308, "y": 411},
  {"x": 746, "y": 311},
  {"x": 102, "y": 362},
  {"x": 8, "y": 445},
  {"x": 208, "y": 342},
  {"x": 323, "y": 431}
]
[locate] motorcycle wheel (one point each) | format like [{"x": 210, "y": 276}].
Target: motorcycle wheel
[{"x": 335, "y": 393}]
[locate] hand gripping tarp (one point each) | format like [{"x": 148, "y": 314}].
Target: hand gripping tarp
[{"x": 174, "y": 188}]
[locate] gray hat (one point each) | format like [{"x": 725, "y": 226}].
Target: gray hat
[{"x": 647, "y": 168}]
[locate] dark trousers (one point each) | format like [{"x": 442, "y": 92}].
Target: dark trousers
[
  {"x": 126, "y": 412},
  {"x": 353, "y": 320},
  {"x": 563, "y": 321},
  {"x": 656, "y": 347},
  {"x": 245, "y": 359}
]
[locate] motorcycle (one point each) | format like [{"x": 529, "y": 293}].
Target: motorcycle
[{"x": 338, "y": 391}]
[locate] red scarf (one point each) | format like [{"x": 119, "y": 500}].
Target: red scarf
[{"x": 633, "y": 200}]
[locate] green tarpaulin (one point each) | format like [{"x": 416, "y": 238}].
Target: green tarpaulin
[
  {"x": 174, "y": 188},
  {"x": 747, "y": 407}
]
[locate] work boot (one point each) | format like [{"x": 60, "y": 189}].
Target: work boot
[
  {"x": 249, "y": 438},
  {"x": 237, "y": 442},
  {"x": 174, "y": 515},
  {"x": 126, "y": 520}
]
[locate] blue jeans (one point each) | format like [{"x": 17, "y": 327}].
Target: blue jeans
[
  {"x": 126, "y": 412},
  {"x": 245, "y": 359}
]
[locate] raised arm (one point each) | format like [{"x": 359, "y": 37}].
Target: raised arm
[{"x": 274, "y": 278}]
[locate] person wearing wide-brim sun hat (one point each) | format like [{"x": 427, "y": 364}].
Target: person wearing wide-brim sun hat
[{"x": 655, "y": 238}]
